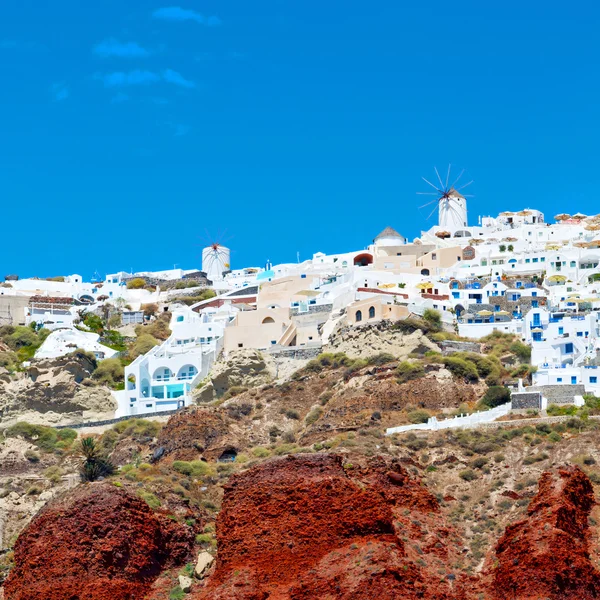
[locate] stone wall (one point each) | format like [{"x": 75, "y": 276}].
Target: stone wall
[
  {"x": 312, "y": 309},
  {"x": 559, "y": 394},
  {"x": 451, "y": 346},
  {"x": 525, "y": 400},
  {"x": 160, "y": 413},
  {"x": 297, "y": 352}
]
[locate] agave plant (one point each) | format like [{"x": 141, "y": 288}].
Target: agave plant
[{"x": 95, "y": 464}]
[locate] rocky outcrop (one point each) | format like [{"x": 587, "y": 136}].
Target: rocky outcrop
[
  {"x": 311, "y": 526},
  {"x": 53, "y": 391},
  {"x": 368, "y": 340},
  {"x": 242, "y": 368},
  {"x": 198, "y": 433},
  {"x": 96, "y": 543},
  {"x": 547, "y": 554}
]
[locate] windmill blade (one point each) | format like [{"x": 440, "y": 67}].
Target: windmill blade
[
  {"x": 431, "y": 213},
  {"x": 428, "y": 204},
  {"x": 462, "y": 187},
  {"x": 431, "y": 184},
  {"x": 439, "y": 178},
  {"x": 458, "y": 178},
  {"x": 427, "y": 194},
  {"x": 448, "y": 175}
]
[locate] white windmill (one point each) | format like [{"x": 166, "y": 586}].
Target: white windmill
[
  {"x": 451, "y": 203},
  {"x": 216, "y": 260}
]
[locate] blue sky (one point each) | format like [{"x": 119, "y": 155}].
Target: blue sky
[{"x": 131, "y": 129}]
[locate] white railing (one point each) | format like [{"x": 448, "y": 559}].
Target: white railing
[{"x": 472, "y": 420}]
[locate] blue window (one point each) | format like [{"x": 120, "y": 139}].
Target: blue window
[
  {"x": 180, "y": 319},
  {"x": 456, "y": 294},
  {"x": 574, "y": 379},
  {"x": 496, "y": 307},
  {"x": 559, "y": 379},
  {"x": 536, "y": 319},
  {"x": 573, "y": 263},
  {"x": 527, "y": 260},
  {"x": 303, "y": 276},
  {"x": 593, "y": 379},
  {"x": 534, "y": 294},
  {"x": 543, "y": 259},
  {"x": 561, "y": 330},
  {"x": 537, "y": 336},
  {"x": 580, "y": 334},
  {"x": 535, "y": 260},
  {"x": 569, "y": 348},
  {"x": 534, "y": 304}
]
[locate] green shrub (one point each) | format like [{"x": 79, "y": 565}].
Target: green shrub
[
  {"x": 261, "y": 452},
  {"x": 31, "y": 456},
  {"x": 555, "y": 410},
  {"x": 409, "y": 370},
  {"x": 313, "y": 416},
  {"x": 461, "y": 368},
  {"x": 418, "y": 416},
  {"x": 381, "y": 359},
  {"x": 433, "y": 318},
  {"x": 150, "y": 499},
  {"x": 144, "y": 343},
  {"x": 137, "y": 283},
  {"x": 45, "y": 438},
  {"x": 495, "y": 396},
  {"x": 176, "y": 594},
  {"x": 522, "y": 351},
  {"x": 468, "y": 475},
  {"x": 292, "y": 414},
  {"x": 110, "y": 372},
  {"x": 234, "y": 390},
  {"x": 194, "y": 468}
]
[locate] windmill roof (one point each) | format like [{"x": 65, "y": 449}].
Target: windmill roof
[
  {"x": 388, "y": 232},
  {"x": 455, "y": 193}
]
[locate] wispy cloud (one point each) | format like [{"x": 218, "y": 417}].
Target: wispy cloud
[
  {"x": 176, "y": 13},
  {"x": 60, "y": 92},
  {"x": 113, "y": 47},
  {"x": 176, "y": 78},
  {"x": 123, "y": 79},
  {"x": 142, "y": 77}
]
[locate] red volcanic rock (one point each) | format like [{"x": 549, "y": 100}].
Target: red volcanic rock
[
  {"x": 306, "y": 528},
  {"x": 546, "y": 555},
  {"x": 96, "y": 543}
]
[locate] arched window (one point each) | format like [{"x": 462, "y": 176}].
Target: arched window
[
  {"x": 268, "y": 320},
  {"x": 362, "y": 260},
  {"x": 358, "y": 316},
  {"x": 371, "y": 312},
  {"x": 424, "y": 271}
]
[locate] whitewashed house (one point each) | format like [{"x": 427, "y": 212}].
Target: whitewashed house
[{"x": 163, "y": 378}]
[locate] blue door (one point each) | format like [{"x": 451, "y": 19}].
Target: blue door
[
  {"x": 574, "y": 379},
  {"x": 536, "y": 320}
]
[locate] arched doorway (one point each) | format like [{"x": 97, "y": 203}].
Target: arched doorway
[{"x": 362, "y": 260}]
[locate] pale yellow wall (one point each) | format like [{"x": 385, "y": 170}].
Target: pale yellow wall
[
  {"x": 441, "y": 258},
  {"x": 250, "y": 331},
  {"x": 416, "y": 250},
  {"x": 399, "y": 264},
  {"x": 392, "y": 312},
  {"x": 281, "y": 291}
]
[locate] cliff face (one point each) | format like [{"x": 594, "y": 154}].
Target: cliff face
[
  {"x": 305, "y": 527},
  {"x": 97, "y": 543},
  {"x": 310, "y": 527},
  {"x": 547, "y": 554}
]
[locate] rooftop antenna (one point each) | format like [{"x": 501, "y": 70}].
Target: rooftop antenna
[{"x": 443, "y": 192}]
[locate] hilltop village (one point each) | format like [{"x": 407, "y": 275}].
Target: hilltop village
[
  {"x": 413, "y": 419},
  {"x": 514, "y": 273}
]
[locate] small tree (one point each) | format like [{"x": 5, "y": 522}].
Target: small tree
[
  {"x": 137, "y": 283},
  {"x": 502, "y": 248},
  {"x": 510, "y": 247},
  {"x": 95, "y": 463},
  {"x": 432, "y": 318}
]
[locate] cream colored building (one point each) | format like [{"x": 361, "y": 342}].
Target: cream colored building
[
  {"x": 373, "y": 309},
  {"x": 258, "y": 329}
]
